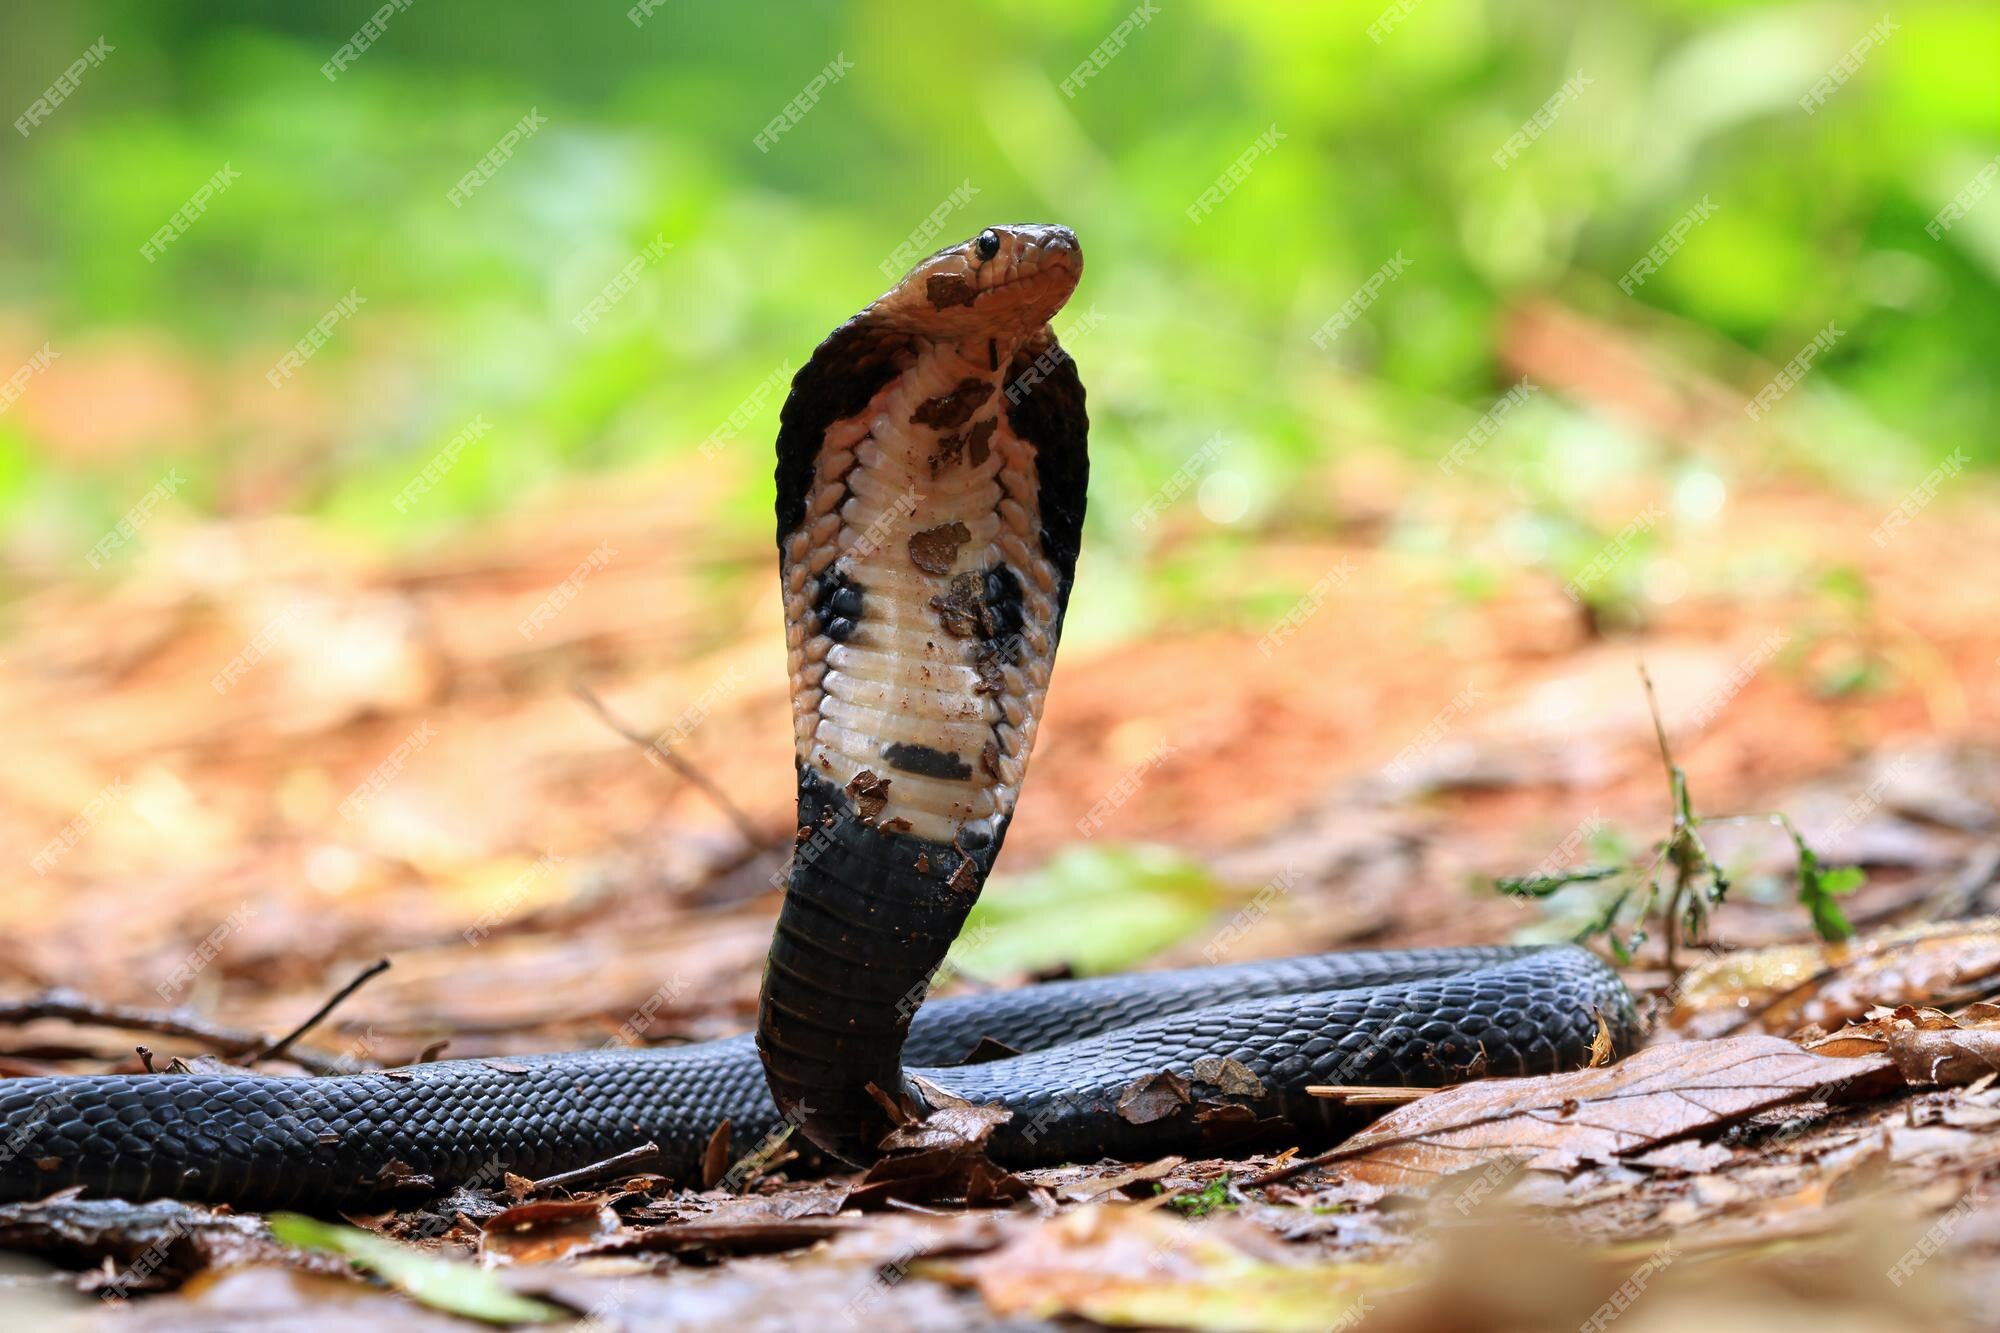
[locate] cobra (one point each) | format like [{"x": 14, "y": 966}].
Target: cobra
[{"x": 931, "y": 477}]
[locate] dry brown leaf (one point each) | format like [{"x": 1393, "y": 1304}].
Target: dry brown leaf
[
  {"x": 937, "y": 1175},
  {"x": 818, "y": 1199},
  {"x": 1601, "y": 1047},
  {"x": 715, "y": 1157},
  {"x": 1127, "y": 1266},
  {"x": 1224, "y": 1125},
  {"x": 1090, "y": 1189},
  {"x": 1929, "y": 1046},
  {"x": 1560, "y": 1121},
  {"x": 1232, "y": 1077},
  {"x": 1153, "y": 1097},
  {"x": 144, "y": 1246},
  {"x": 1787, "y": 987},
  {"x": 538, "y": 1233},
  {"x": 750, "y": 1237},
  {"x": 1946, "y": 1056},
  {"x": 961, "y": 1128}
]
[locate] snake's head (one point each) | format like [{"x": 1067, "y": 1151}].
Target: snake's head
[{"x": 1005, "y": 282}]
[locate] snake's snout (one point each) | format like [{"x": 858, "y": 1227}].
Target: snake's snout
[
  {"x": 1045, "y": 242},
  {"x": 1040, "y": 263}
]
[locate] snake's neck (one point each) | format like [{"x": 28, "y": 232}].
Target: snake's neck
[{"x": 921, "y": 610}]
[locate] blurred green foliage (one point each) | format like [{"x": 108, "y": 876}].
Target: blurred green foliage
[
  {"x": 1195, "y": 328},
  {"x": 1094, "y": 909}
]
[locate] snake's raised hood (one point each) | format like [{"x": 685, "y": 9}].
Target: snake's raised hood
[{"x": 932, "y": 468}]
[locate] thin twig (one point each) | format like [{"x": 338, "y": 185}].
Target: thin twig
[
  {"x": 1659, "y": 724},
  {"x": 1675, "y": 844},
  {"x": 653, "y": 746},
  {"x": 71, "y": 1007},
  {"x": 1689, "y": 854},
  {"x": 1364, "y": 1095},
  {"x": 596, "y": 1171},
  {"x": 284, "y": 1043},
  {"x": 1300, "y": 1166}
]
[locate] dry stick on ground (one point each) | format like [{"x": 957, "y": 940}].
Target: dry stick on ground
[
  {"x": 1299, "y": 1166},
  {"x": 653, "y": 746},
  {"x": 71, "y": 1007},
  {"x": 284, "y": 1043},
  {"x": 596, "y": 1171},
  {"x": 1362, "y": 1094}
]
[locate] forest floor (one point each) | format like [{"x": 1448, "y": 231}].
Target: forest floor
[{"x": 265, "y": 758}]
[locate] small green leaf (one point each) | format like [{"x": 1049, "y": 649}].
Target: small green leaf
[
  {"x": 1819, "y": 887},
  {"x": 1541, "y": 886},
  {"x": 441, "y": 1284},
  {"x": 1212, "y": 1196}
]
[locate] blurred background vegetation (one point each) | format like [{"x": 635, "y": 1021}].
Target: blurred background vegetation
[{"x": 1190, "y": 330}]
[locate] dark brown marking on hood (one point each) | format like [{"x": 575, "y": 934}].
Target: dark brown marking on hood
[
  {"x": 961, "y": 608},
  {"x": 970, "y": 444},
  {"x": 950, "y": 410},
  {"x": 991, "y": 679},
  {"x": 935, "y": 550},
  {"x": 976, "y": 448}
]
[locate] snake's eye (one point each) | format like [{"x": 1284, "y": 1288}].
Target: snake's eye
[{"x": 988, "y": 243}]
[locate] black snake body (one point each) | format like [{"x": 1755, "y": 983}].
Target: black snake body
[{"x": 931, "y": 476}]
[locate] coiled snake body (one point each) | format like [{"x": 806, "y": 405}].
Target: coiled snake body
[{"x": 931, "y": 476}]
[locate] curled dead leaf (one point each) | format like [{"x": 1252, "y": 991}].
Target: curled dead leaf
[
  {"x": 1785, "y": 988},
  {"x": 715, "y": 1157},
  {"x": 539, "y": 1233},
  {"x": 1231, "y": 1077},
  {"x": 1945, "y": 1056},
  {"x": 1601, "y": 1048},
  {"x": 961, "y": 1128},
  {"x": 1153, "y": 1097},
  {"x": 937, "y": 1175}
]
